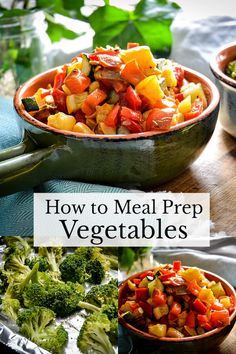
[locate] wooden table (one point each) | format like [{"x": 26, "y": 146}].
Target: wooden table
[{"x": 214, "y": 172}]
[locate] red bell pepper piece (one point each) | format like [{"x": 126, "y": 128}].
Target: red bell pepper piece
[
  {"x": 196, "y": 109},
  {"x": 141, "y": 294},
  {"x": 190, "y": 320},
  {"x": 147, "y": 273},
  {"x": 129, "y": 114},
  {"x": 177, "y": 265},
  {"x": 217, "y": 306},
  {"x": 167, "y": 274},
  {"x": 200, "y": 307},
  {"x": 147, "y": 308},
  {"x": 158, "y": 298},
  {"x": 59, "y": 79},
  {"x": 80, "y": 116},
  {"x": 175, "y": 309},
  {"x": 60, "y": 100},
  {"x": 132, "y": 72},
  {"x": 112, "y": 118},
  {"x": 193, "y": 287},
  {"x": 133, "y": 99},
  {"x": 220, "y": 318},
  {"x": 132, "y": 126},
  {"x": 133, "y": 307},
  {"x": 232, "y": 305}
]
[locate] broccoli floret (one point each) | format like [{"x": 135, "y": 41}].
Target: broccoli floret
[
  {"x": 114, "y": 281},
  {"x": 16, "y": 243},
  {"x": 92, "y": 253},
  {"x": 3, "y": 280},
  {"x": 43, "y": 263},
  {"x": 113, "y": 333},
  {"x": 10, "y": 307},
  {"x": 96, "y": 271},
  {"x": 93, "y": 336},
  {"x": 62, "y": 298},
  {"x": 38, "y": 324},
  {"x": 102, "y": 294},
  {"x": 53, "y": 256},
  {"x": 73, "y": 268}
]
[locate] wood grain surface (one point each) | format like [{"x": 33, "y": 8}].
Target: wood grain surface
[{"x": 213, "y": 172}]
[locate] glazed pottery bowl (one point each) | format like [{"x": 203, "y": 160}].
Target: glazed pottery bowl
[
  {"x": 226, "y": 86},
  {"x": 139, "y": 160},
  {"x": 197, "y": 344}
]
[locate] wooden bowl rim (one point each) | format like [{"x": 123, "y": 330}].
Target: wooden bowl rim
[
  {"x": 146, "y": 335},
  {"x": 213, "y": 91}
]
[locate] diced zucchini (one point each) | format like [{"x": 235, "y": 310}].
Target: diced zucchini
[
  {"x": 106, "y": 129},
  {"x": 155, "y": 284},
  {"x": 113, "y": 97},
  {"x": 30, "y": 104},
  {"x": 66, "y": 90},
  {"x": 218, "y": 290},
  {"x": 174, "y": 333},
  {"x": 191, "y": 331},
  {"x": 158, "y": 330},
  {"x": 128, "y": 316},
  {"x": 74, "y": 102},
  {"x": 160, "y": 311},
  {"x": 86, "y": 67},
  {"x": 82, "y": 128},
  {"x": 122, "y": 130},
  {"x": 144, "y": 283},
  {"x": 195, "y": 91},
  {"x": 93, "y": 86},
  {"x": 131, "y": 285},
  {"x": 77, "y": 65},
  {"x": 102, "y": 111}
]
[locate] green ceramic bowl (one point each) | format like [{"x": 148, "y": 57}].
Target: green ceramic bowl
[
  {"x": 203, "y": 343},
  {"x": 139, "y": 160}
]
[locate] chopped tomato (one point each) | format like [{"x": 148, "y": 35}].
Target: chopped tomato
[
  {"x": 141, "y": 294},
  {"x": 166, "y": 274},
  {"x": 200, "y": 307},
  {"x": 179, "y": 74},
  {"x": 132, "y": 45},
  {"x": 159, "y": 119},
  {"x": 175, "y": 309},
  {"x": 59, "y": 79},
  {"x": 92, "y": 101},
  {"x": 77, "y": 82},
  {"x": 196, "y": 109},
  {"x": 158, "y": 298},
  {"x": 104, "y": 51},
  {"x": 193, "y": 287},
  {"x": 190, "y": 319},
  {"x": 132, "y": 126},
  {"x": 112, "y": 118},
  {"x": 119, "y": 86},
  {"x": 80, "y": 116},
  {"x": 232, "y": 305},
  {"x": 60, "y": 100},
  {"x": 164, "y": 103},
  {"x": 202, "y": 319},
  {"x": 133, "y": 99},
  {"x": 129, "y": 114},
  {"x": 133, "y": 307},
  {"x": 109, "y": 61},
  {"x": 136, "y": 281},
  {"x": 147, "y": 308},
  {"x": 207, "y": 326},
  {"x": 146, "y": 274},
  {"x": 217, "y": 306},
  {"x": 179, "y": 97},
  {"x": 220, "y": 318},
  {"x": 176, "y": 265},
  {"x": 132, "y": 72}
]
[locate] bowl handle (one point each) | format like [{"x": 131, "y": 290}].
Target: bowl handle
[{"x": 25, "y": 166}]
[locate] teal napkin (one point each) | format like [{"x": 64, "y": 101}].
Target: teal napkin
[{"x": 16, "y": 210}]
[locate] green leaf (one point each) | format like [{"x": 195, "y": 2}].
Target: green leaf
[
  {"x": 74, "y": 8},
  {"x": 55, "y": 6},
  {"x": 15, "y": 12},
  {"x": 126, "y": 257},
  {"x": 107, "y": 16},
  {"x": 56, "y": 31}
]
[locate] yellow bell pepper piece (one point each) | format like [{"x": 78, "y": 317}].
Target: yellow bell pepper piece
[
  {"x": 150, "y": 88},
  {"x": 158, "y": 330},
  {"x": 225, "y": 301},
  {"x": 82, "y": 128},
  {"x": 131, "y": 285},
  {"x": 61, "y": 121},
  {"x": 169, "y": 76},
  {"x": 192, "y": 274},
  {"x": 206, "y": 295},
  {"x": 143, "y": 56}
]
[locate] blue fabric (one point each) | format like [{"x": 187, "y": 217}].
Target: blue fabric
[{"x": 16, "y": 211}]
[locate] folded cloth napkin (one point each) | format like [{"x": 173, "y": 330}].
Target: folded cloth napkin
[{"x": 16, "y": 210}]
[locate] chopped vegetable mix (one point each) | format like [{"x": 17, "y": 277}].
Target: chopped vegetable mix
[
  {"x": 116, "y": 91},
  {"x": 172, "y": 301},
  {"x": 231, "y": 69}
]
